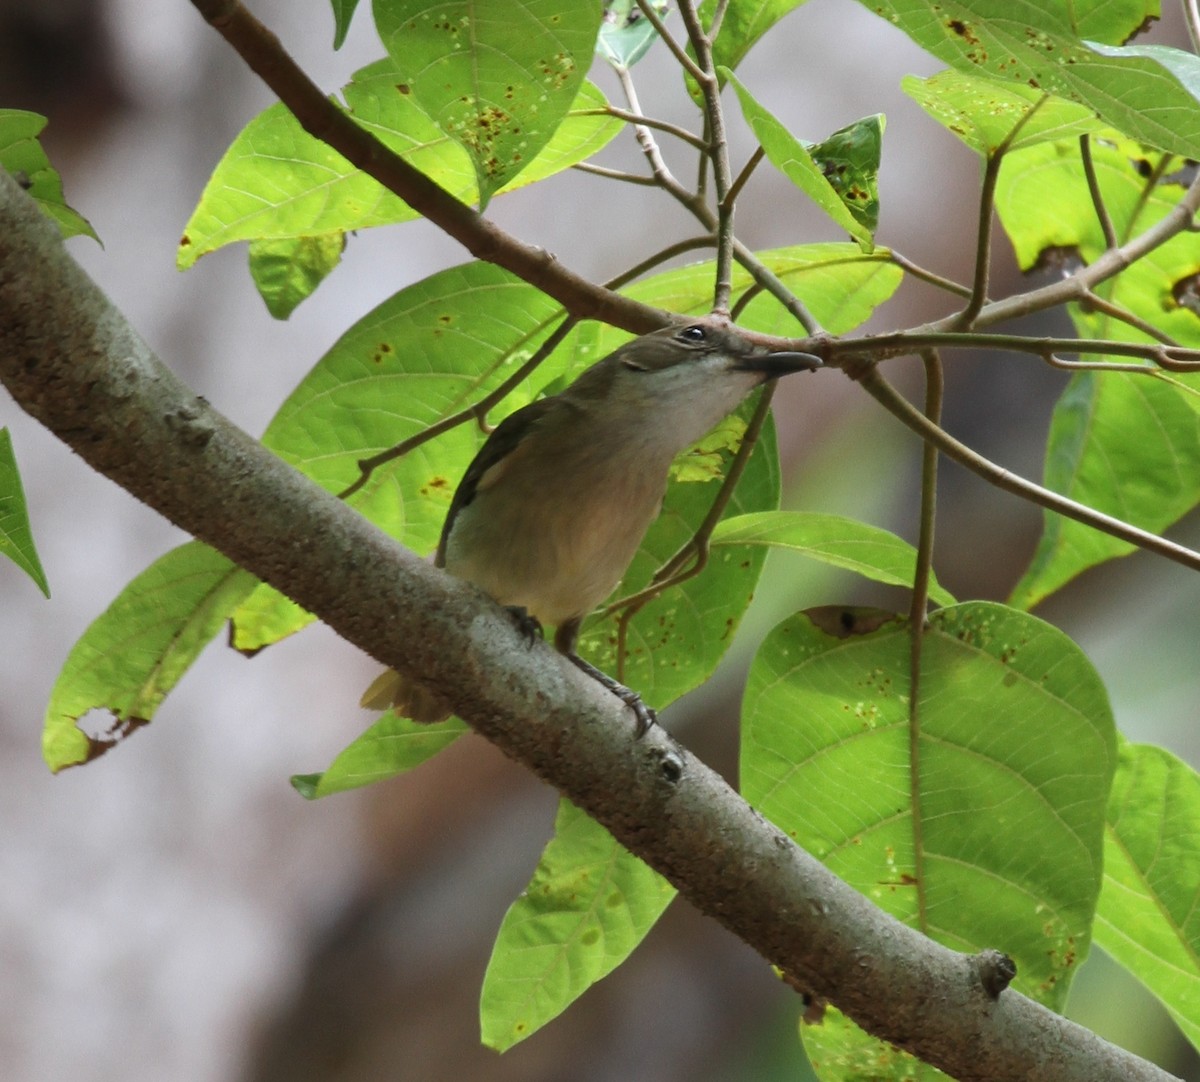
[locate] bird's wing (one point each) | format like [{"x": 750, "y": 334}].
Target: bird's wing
[{"x": 505, "y": 439}]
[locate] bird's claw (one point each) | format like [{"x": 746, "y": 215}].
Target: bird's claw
[{"x": 528, "y": 625}]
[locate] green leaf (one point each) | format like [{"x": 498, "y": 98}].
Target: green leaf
[
  {"x": 1000, "y": 844},
  {"x": 745, "y": 22},
  {"x": 1039, "y": 44},
  {"x": 343, "y": 12},
  {"x": 429, "y": 351},
  {"x": 988, "y": 114},
  {"x": 841, "y": 1052},
  {"x": 497, "y": 77},
  {"x": 841, "y": 542},
  {"x": 263, "y": 618},
  {"x": 625, "y": 33},
  {"x": 286, "y": 271},
  {"x": 589, "y": 904},
  {"x": 849, "y": 160},
  {"x": 392, "y": 746},
  {"x": 853, "y": 159},
  {"x": 22, "y": 155},
  {"x": 276, "y": 181},
  {"x": 16, "y": 538},
  {"x": 1125, "y": 444},
  {"x": 134, "y": 653},
  {"x": 1148, "y": 918}
]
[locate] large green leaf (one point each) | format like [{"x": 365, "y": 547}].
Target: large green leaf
[
  {"x": 988, "y": 114},
  {"x": 16, "y": 538},
  {"x": 22, "y": 155},
  {"x": 495, "y": 76},
  {"x": 852, "y": 202},
  {"x": 590, "y": 902},
  {"x": 134, "y": 653},
  {"x": 1126, "y": 444},
  {"x": 832, "y": 539},
  {"x": 1149, "y": 94},
  {"x": 745, "y": 22},
  {"x": 983, "y": 827},
  {"x": 1148, "y": 918},
  {"x": 430, "y": 350},
  {"x": 278, "y": 182}
]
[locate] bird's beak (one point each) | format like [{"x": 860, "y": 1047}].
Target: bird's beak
[{"x": 779, "y": 363}]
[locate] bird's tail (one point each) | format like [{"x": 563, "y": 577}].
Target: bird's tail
[{"x": 411, "y": 700}]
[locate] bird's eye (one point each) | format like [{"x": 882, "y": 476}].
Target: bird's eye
[{"x": 692, "y": 334}]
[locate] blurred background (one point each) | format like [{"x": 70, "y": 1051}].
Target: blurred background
[{"x": 175, "y": 910}]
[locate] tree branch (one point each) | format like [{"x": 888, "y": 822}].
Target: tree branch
[{"x": 71, "y": 361}]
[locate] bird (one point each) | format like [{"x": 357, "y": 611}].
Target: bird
[{"x": 552, "y": 509}]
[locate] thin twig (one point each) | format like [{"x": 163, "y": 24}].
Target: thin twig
[
  {"x": 1093, "y": 183},
  {"x": 477, "y": 411},
  {"x": 664, "y": 126},
  {"x": 616, "y": 174},
  {"x": 902, "y": 343},
  {"x": 677, "y": 569},
  {"x": 773, "y": 284},
  {"x": 1123, "y": 315},
  {"x": 739, "y": 183},
  {"x": 987, "y": 209},
  {"x": 718, "y": 153},
  {"x": 884, "y": 393},
  {"x": 677, "y": 50},
  {"x": 1111, "y": 263},
  {"x": 934, "y": 279}
]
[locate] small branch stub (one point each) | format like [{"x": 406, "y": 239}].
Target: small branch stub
[{"x": 995, "y": 971}]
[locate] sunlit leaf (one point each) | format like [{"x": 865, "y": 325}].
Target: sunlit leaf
[
  {"x": 590, "y": 902},
  {"x": 278, "y": 182},
  {"x": 1147, "y": 92},
  {"x": 853, "y": 203},
  {"x": 840, "y": 542},
  {"x": 134, "y": 653},
  {"x": 286, "y": 271},
  {"x": 1148, "y": 918},
  {"x": 22, "y": 155},
  {"x": 497, "y": 77},
  {"x": 391, "y": 746},
  {"x": 992, "y": 835},
  {"x": 16, "y": 538},
  {"x": 988, "y": 114},
  {"x": 1125, "y": 444}
]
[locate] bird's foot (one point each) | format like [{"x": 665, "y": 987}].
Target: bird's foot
[
  {"x": 646, "y": 717},
  {"x": 528, "y": 625}
]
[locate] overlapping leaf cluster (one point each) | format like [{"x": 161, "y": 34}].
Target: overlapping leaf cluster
[{"x": 979, "y": 805}]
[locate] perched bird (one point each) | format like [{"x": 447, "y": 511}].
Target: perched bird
[{"x": 554, "y": 506}]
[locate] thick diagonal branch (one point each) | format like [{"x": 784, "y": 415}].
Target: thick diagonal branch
[{"x": 72, "y": 361}]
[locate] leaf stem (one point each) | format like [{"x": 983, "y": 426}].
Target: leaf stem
[
  {"x": 1093, "y": 183},
  {"x": 917, "y": 618}
]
